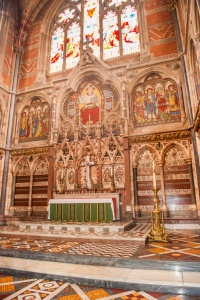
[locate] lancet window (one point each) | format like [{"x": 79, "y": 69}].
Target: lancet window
[{"x": 109, "y": 27}]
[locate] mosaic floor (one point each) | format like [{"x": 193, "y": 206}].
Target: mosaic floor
[
  {"x": 183, "y": 246},
  {"x": 17, "y": 288}
]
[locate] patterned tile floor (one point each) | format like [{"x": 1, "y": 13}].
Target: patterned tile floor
[
  {"x": 17, "y": 288},
  {"x": 184, "y": 245}
]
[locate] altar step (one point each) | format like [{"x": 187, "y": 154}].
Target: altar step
[{"x": 126, "y": 232}]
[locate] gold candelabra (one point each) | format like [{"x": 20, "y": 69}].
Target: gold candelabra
[{"x": 157, "y": 233}]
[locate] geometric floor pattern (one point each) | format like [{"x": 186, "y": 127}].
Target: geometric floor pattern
[
  {"x": 15, "y": 288},
  {"x": 184, "y": 245}
]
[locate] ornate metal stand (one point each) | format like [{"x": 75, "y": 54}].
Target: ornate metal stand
[{"x": 157, "y": 233}]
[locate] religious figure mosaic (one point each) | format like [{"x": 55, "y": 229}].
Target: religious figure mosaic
[
  {"x": 34, "y": 122},
  {"x": 90, "y": 104},
  {"x": 156, "y": 101}
]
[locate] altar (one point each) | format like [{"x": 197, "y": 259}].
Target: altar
[{"x": 84, "y": 207}]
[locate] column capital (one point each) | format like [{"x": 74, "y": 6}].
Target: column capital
[
  {"x": 161, "y": 163},
  {"x": 197, "y": 37},
  {"x": 171, "y": 4},
  {"x": 18, "y": 49},
  {"x": 188, "y": 160}
]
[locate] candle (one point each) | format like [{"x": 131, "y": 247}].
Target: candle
[{"x": 154, "y": 176}]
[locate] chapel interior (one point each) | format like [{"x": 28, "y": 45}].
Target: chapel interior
[
  {"x": 99, "y": 111},
  {"x": 87, "y": 107}
]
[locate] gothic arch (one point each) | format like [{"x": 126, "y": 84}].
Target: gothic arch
[
  {"x": 142, "y": 150},
  {"x": 22, "y": 163},
  {"x": 164, "y": 73},
  {"x": 171, "y": 145},
  {"x": 42, "y": 163}
]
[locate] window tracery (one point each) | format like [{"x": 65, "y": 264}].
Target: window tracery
[{"x": 110, "y": 28}]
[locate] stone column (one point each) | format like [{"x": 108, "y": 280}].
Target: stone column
[
  {"x": 162, "y": 183},
  {"x": 30, "y": 209},
  {"x": 194, "y": 91},
  {"x": 13, "y": 193},
  {"x": 18, "y": 52},
  {"x": 16, "y": 131},
  {"x": 135, "y": 189},
  {"x": 124, "y": 106}
]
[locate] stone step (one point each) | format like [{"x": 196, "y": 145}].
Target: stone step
[{"x": 112, "y": 232}]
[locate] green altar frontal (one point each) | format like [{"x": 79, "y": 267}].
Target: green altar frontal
[{"x": 81, "y": 212}]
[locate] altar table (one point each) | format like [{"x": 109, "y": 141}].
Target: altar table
[{"x": 82, "y": 209}]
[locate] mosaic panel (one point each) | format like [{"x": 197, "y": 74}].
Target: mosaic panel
[
  {"x": 34, "y": 122},
  {"x": 156, "y": 101}
]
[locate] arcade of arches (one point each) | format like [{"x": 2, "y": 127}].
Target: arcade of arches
[{"x": 89, "y": 106}]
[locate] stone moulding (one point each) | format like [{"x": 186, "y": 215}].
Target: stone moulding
[
  {"x": 161, "y": 136},
  {"x": 197, "y": 121}
]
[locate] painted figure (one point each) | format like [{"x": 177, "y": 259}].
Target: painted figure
[
  {"x": 38, "y": 123},
  {"x": 139, "y": 107},
  {"x": 23, "y": 127},
  {"x": 150, "y": 103},
  {"x": 162, "y": 103},
  {"x": 89, "y": 103},
  {"x": 172, "y": 97}
]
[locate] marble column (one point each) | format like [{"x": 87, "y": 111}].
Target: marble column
[
  {"x": 162, "y": 183},
  {"x": 127, "y": 173},
  {"x": 135, "y": 189},
  {"x": 18, "y": 53},
  {"x": 30, "y": 209},
  {"x": 13, "y": 193},
  {"x": 190, "y": 169}
]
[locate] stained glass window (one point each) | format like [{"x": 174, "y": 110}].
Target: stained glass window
[
  {"x": 91, "y": 25},
  {"x": 129, "y": 29},
  {"x": 110, "y": 28},
  {"x": 57, "y": 47},
  {"x": 73, "y": 45},
  {"x": 110, "y": 35}
]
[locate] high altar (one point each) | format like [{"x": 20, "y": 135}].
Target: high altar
[{"x": 85, "y": 207}]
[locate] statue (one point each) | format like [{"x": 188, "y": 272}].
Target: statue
[{"x": 88, "y": 165}]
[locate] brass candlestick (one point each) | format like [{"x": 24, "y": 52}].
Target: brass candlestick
[{"x": 157, "y": 233}]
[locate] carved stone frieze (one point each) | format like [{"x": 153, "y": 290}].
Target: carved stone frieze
[
  {"x": 30, "y": 151},
  {"x": 160, "y": 137}
]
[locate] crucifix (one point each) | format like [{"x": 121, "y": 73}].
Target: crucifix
[{"x": 88, "y": 165}]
